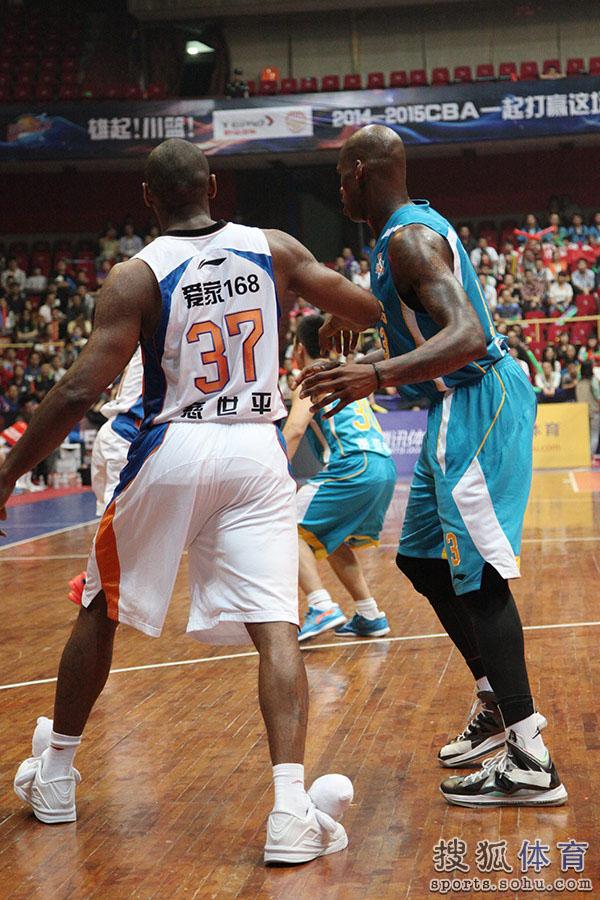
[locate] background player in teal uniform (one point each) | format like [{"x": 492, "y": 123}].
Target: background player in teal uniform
[
  {"x": 461, "y": 538},
  {"x": 343, "y": 506}
]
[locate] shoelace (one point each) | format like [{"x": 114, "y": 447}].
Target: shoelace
[
  {"x": 476, "y": 721},
  {"x": 500, "y": 762}
]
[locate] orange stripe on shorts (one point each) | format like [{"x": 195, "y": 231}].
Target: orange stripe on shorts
[{"x": 107, "y": 559}]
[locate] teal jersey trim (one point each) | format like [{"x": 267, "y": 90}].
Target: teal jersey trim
[{"x": 401, "y": 329}]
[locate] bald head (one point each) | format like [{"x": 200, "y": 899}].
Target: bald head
[
  {"x": 378, "y": 147},
  {"x": 177, "y": 175},
  {"x": 372, "y": 169}
]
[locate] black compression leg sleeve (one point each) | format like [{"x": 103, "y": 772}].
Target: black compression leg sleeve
[
  {"x": 499, "y": 634},
  {"x": 431, "y": 577}
]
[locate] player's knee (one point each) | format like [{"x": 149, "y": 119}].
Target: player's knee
[{"x": 430, "y": 577}]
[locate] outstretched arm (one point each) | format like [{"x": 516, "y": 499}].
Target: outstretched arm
[
  {"x": 128, "y": 305},
  {"x": 296, "y": 268},
  {"x": 422, "y": 267},
  {"x": 296, "y": 423}
]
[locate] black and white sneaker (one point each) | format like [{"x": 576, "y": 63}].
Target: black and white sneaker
[
  {"x": 484, "y": 734},
  {"x": 512, "y": 777}
]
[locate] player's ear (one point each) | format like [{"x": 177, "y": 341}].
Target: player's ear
[
  {"x": 360, "y": 170},
  {"x": 146, "y": 194},
  {"x": 212, "y": 187}
]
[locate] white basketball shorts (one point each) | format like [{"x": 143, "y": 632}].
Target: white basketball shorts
[
  {"x": 223, "y": 491},
  {"x": 109, "y": 456}
]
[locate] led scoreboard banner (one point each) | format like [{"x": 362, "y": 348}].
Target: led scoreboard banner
[{"x": 302, "y": 122}]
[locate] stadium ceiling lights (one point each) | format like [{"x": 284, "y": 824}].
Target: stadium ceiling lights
[{"x": 197, "y": 48}]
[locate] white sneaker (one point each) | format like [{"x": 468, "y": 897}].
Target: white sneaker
[
  {"x": 52, "y": 801},
  {"x": 291, "y": 839},
  {"x": 41, "y": 736}
]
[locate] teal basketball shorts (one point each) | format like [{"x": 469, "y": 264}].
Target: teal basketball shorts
[
  {"x": 471, "y": 483},
  {"x": 346, "y": 503}
]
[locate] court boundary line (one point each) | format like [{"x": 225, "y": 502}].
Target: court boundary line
[{"x": 340, "y": 644}]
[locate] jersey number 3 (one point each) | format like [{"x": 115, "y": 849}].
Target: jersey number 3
[{"x": 216, "y": 355}]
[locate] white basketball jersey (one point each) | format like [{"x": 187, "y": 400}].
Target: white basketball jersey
[
  {"x": 128, "y": 398},
  {"x": 214, "y": 355}
]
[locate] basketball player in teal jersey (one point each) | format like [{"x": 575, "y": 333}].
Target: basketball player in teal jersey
[
  {"x": 341, "y": 508},
  {"x": 462, "y": 531}
]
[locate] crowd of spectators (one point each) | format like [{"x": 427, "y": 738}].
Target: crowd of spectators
[
  {"x": 537, "y": 272},
  {"x": 47, "y": 317}
]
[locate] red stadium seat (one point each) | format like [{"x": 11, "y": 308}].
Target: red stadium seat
[
  {"x": 288, "y": 86},
  {"x": 47, "y": 79},
  {"x": 507, "y": 71},
  {"x": 113, "y": 92},
  {"x": 537, "y": 348},
  {"x": 25, "y": 78},
  {"x": 266, "y": 88},
  {"x": 587, "y": 304},
  {"x": 49, "y": 64},
  {"x": 4, "y": 93},
  {"x": 133, "y": 92},
  {"x": 440, "y": 76},
  {"x": 594, "y": 65},
  {"x": 68, "y": 92},
  {"x": 352, "y": 82},
  {"x": 251, "y": 87},
  {"x": 28, "y": 65},
  {"x": 528, "y": 71},
  {"x": 485, "y": 72},
  {"x": 91, "y": 91},
  {"x": 156, "y": 91},
  {"x": 44, "y": 92},
  {"x": 375, "y": 81},
  {"x": 575, "y": 66},
  {"x": 534, "y": 314},
  {"x": 553, "y": 332},
  {"x": 462, "y": 74},
  {"x": 581, "y": 331},
  {"x": 69, "y": 77},
  {"x": 29, "y": 48},
  {"x": 551, "y": 63},
  {"x": 23, "y": 93},
  {"x": 417, "y": 78},
  {"x": 309, "y": 85},
  {"x": 398, "y": 79},
  {"x": 70, "y": 64},
  {"x": 6, "y": 66},
  {"x": 330, "y": 83}
]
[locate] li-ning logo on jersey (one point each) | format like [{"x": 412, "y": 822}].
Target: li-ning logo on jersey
[
  {"x": 211, "y": 262},
  {"x": 379, "y": 266}
]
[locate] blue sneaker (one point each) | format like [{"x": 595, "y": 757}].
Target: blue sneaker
[
  {"x": 318, "y": 620},
  {"x": 358, "y": 626}
]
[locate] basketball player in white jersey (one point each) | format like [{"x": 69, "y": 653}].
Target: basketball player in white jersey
[{"x": 206, "y": 471}]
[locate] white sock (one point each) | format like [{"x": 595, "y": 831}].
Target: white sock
[
  {"x": 320, "y": 599},
  {"x": 483, "y": 684},
  {"x": 367, "y": 608},
  {"x": 290, "y": 795},
  {"x": 58, "y": 758},
  {"x": 529, "y": 732}
]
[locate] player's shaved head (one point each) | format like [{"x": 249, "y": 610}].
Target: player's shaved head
[
  {"x": 177, "y": 174},
  {"x": 372, "y": 169},
  {"x": 379, "y": 147}
]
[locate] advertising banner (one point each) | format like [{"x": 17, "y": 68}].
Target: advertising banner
[
  {"x": 403, "y": 432},
  {"x": 562, "y": 436},
  {"x": 269, "y": 122},
  {"x": 302, "y": 122}
]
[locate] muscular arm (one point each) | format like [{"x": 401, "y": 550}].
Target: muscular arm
[
  {"x": 296, "y": 423},
  {"x": 422, "y": 269},
  {"x": 422, "y": 265},
  {"x": 296, "y": 268},
  {"x": 128, "y": 305}
]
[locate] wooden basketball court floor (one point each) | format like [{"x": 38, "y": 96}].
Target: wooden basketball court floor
[{"x": 176, "y": 778}]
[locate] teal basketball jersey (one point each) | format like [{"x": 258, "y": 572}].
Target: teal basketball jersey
[
  {"x": 353, "y": 430},
  {"x": 401, "y": 329}
]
